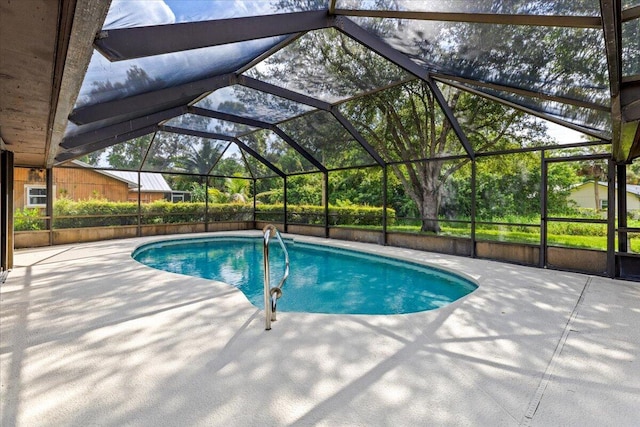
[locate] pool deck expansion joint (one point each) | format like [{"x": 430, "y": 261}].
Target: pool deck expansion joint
[{"x": 548, "y": 373}]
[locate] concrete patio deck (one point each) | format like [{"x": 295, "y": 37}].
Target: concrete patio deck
[{"x": 91, "y": 337}]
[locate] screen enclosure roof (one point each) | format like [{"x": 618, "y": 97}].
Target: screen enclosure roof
[{"x": 281, "y": 86}]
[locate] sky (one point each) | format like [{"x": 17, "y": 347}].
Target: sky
[{"x": 563, "y": 134}]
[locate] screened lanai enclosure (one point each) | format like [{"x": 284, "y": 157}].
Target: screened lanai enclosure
[{"x": 497, "y": 129}]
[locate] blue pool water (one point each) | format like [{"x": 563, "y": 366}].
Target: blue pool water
[{"x": 321, "y": 280}]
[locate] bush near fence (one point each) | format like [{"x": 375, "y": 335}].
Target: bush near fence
[
  {"x": 101, "y": 213},
  {"x": 314, "y": 215},
  {"x": 92, "y": 213}
]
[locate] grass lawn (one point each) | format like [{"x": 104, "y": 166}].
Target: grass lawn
[{"x": 569, "y": 240}]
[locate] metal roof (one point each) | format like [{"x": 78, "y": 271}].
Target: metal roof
[{"x": 149, "y": 182}]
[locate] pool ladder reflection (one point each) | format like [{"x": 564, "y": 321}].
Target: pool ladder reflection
[{"x": 271, "y": 295}]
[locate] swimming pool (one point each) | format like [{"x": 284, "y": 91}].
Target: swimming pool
[{"x": 322, "y": 279}]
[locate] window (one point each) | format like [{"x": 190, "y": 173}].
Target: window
[
  {"x": 604, "y": 204},
  {"x": 177, "y": 197},
  {"x": 36, "y": 196}
]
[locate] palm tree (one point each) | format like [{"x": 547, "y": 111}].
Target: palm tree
[
  {"x": 238, "y": 189},
  {"x": 200, "y": 158}
]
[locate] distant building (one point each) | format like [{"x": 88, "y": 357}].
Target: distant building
[
  {"x": 584, "y": 196},
  {"x": 153, "y": 187},
  {"x": 84, "y": 182}
]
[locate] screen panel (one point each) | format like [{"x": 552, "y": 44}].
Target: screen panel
[
  {"x": 142, "y": 13},
  {"x": 232, "y": 163},
  {"x": 182, "y": 153},
  {"x": 404, "y": 123},
  {"x": 277, "y": 151},
  {"x": 327, "y": 140},
  {"x": 246, "y": 102},
  {"x": 208, "y": 124},
  {"x": 569, "y": 62},
  {"x": 127, "y": 155},
  {"x": 631, "y": 47},
  {"x": 327, "y": 65},
  {"x": 106, "y": 81},
  {"x": 590, "y": 119},
  {"x": 563, "y": 7}
]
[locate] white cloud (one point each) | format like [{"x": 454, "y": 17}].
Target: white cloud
[{"x": 562, "y": 134}]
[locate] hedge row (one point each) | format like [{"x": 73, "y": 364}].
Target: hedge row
[
  {"x": 315, "y": 215},
  {"x": 100, "y": 213},
  {"x": 94, "y": 213}
]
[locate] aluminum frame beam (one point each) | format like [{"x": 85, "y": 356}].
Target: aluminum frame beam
[
  {"x": 228, "y": 117},
  {"x": 630, "y": 101},
  {"x": 284, "y": 43},
  {"x": 90, "y": 147},
  {"x": 168, "y": 98},
  {"x": 298, "y": 148},
  {"x": 482, "y": 18},
  {"x": 129, "y": 43},
  {"x": 283, "y": 93},
  {"x": 114, "y": 130},
  {"x": 445, "y": 78},
  {"x": 255, "y": 154},
  {"x": 259, "y": 124},
  {"x": 519, "y": 107},
  {"x": 612, "y": 26},
  {"x": 631, "y": 13},
  {"x": 196, "y": 133},
  {"x": 222, "y": 137},
  {"x": 353, "y": 131},
  {"x": 379, "y": 46}
]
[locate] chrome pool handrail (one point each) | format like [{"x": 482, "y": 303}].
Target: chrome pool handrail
[{"x": 271, "y": 295}]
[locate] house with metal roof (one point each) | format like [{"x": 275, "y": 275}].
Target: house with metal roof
[
  {"x": 586, "y": 196},
  {"x": 83, "y": 183}
]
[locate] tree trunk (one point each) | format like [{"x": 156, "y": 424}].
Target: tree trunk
[
  {"x": 596, "y": 193},
  {"x": 429, "y": 210}
]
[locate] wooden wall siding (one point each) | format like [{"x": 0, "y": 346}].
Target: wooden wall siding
[
  {"x": 84, "y": 184},
  {"x": 78, "y": 184}
]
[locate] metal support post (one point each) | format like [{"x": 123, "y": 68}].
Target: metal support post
[
  {"x": 49, "y": 207},
  {"x": 206, "y": 204},
  {"x": 543, "y": 210},
  {"x": 325, "y": 196},
  {"x": 473, "y": 207},
  {"x": 139, "y": 229},
  {"x": 284, "y": 223},
  {"x": 611, "y": 218},
  {"x": 623, "y": 241},
  {"x": 384, "y": 204}
]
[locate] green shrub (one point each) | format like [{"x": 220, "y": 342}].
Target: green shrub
[
  {"x": 93, "y": 213},
  {"x": 165, "y": 212},
  {"x": 577, "y": 229},
  {"x": 314, "y": 215},
  {"x": 101, "y": 213},
  {"x": 28, "y": 220},
  {"x": 231, "y": 212}
]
